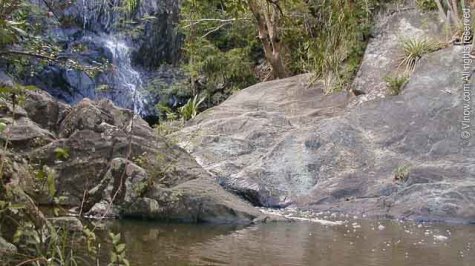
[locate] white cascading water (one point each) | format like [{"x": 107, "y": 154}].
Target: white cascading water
[
  {"x": 84, "y": 14},
  {"x": 124, "y": 81},
  {"x": 125, "y": 76}
]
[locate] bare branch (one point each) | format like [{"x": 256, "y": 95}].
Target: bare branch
[
  {"x": 195, "y": 22},
  {"x": 215, "y": 29}
]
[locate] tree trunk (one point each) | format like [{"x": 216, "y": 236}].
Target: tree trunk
[{"x": 268, "y": 26}]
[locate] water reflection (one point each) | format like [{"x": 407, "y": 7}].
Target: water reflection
[{"x": 354, "y": 243}]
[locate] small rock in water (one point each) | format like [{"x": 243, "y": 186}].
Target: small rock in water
[{"x": 381, "y": 227}]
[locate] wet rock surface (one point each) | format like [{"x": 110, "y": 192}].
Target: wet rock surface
[{"x": 286, "y": 143}]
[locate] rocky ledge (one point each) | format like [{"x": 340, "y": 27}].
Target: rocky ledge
[{"x": 107, "y": 162}]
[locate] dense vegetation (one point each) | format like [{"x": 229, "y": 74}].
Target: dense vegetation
[{"x": 230, "y": 45}]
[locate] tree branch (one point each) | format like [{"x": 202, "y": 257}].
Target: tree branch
[
  {"x": 7, "y": 52},
  {"x": 215, "y": 29}
]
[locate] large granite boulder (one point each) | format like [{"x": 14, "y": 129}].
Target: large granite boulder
[{"x": 286, "y": 142}]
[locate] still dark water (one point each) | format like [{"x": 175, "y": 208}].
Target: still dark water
[{"x": 356, "y": 242}]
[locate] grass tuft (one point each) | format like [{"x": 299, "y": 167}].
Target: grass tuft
[
  {"x": 414, "y": 49},
  {"x": 396, "y": 83}
]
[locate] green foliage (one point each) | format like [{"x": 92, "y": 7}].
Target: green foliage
[
  {"x": 10, "y": 30},
  {"x": 61, "y": 153},
  {"x": 140, "y": 160},
  {"x": 37, "y": 240},
  {"x": 8, "y": 206},
  {"x": 219, "y": 49},
  {"x": 3, "y": 126},
  {"x": 15, "y": 94},
  {"x": 165, "y": 112},
  {"x": 117, "y": 255},
  {"x": 426, "y": 5},
  {"x": 335, "y": 43},
  {"x": 49, "y": 245},
  {"x": 22, "y": 47},
  {"x": 191, "y": 108},
  {"x": 402, "y": 173},
  {"x": 414, "y": 49},
  {"x": 395, "y": 83},
  {"x": 131, "y": 5},
  {"x": 47, "y": 176},
  {"x": 327, "y": 38},
  {"x": 91, "y": 240}
]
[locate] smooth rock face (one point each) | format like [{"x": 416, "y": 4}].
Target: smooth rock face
[
  {"x": 245, "y": 140},
  {"x": 94, "y": 150},
  {"x": 284, "y": 142}
]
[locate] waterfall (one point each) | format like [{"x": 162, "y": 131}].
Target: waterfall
[
  {"x": 124, "y": 82},
  {"x": 127, "y": 82},
  {"x": 102, "y": 13},
  {"x": 84, "y": 14}
]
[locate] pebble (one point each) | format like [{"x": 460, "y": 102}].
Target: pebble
[{"x": 381, "y": 227}]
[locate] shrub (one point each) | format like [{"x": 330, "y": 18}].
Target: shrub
[{"x": 396, "y": 83}]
